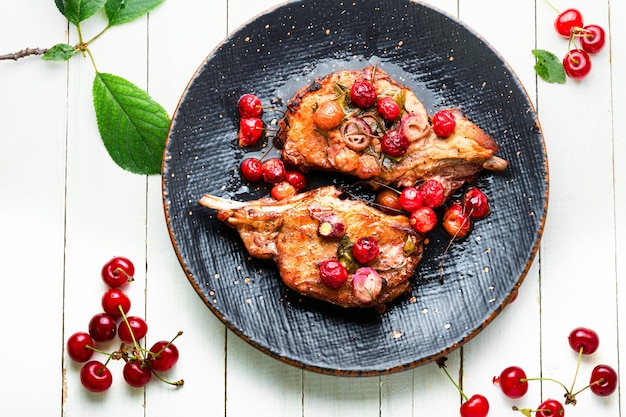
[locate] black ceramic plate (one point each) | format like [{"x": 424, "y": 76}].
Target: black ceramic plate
[{"x": 446, "y": 64}]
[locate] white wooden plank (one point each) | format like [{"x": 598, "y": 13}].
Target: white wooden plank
[
  {"x": 199, "y": 26},
  {"x": 105, "y": 207},
  {"x": 578, "y": 270},
  {"x": 32, "y": 164}
]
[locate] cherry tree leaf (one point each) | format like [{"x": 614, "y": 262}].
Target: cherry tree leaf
[
  {"x": 59, "y": 52},
  {"x": 132, "y": 125},
  {"x": 78, "y": 10},
  {"x": 123, "y": 11},
  {"x": 549, "y": 67}
]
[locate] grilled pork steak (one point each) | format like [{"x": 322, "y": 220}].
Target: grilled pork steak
[
  {"x": 289, "y": 231},
  {"x": 354, "y": 145}
]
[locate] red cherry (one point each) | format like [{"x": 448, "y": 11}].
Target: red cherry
[
  {"x": 297, "y": 179},
  {"x": 513, "y": 382},
  {"x": 411, "y": 198},
  {"x": 394, "y": 143},
  {"x": 475, "y": 203},
  {"x": 112, "y": 300},
  {"x": 592, "y": 38},
  {"x": 363, "y": 94},
  {"x": 365, "y": 249},
  {"x": 476, "y": 406},
  {"x": 433, "y": 193},
  {"x": 273, "y": 171},
  {"x": 165, "y": 355},
  {"x": 95, "y": 376},
  {"x": 444, "y": 123},
  {"x": 332, "y": 273},
  {"x": 282, "y": 190},
  {"x": 568, "y": 20},
  {"x": 249, "y": 105},
  {"x": 136, "y": 373},
  {"x": 608, "y": 380},
  {"x": 550, "y": 408},
  {"x": 252, "y": 170},
  {"x": 388, "y": 108},
  {"x": 78, "y": 347},
  {"x": 456, "y": 222},
  {"x": 577, "y": 64},
  {"x": 102, "y": 327},
  {"x": 584, "y": 340},
  {"x": 423, "y": 219},
  {"x": 138, "y": 326},
  {"x": 117, "y": 272},
  {"x": 250, "y": 131}
]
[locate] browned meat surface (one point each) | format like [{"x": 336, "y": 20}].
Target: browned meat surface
[
  {"x": 453, "y": 161},
  {"x": 287, "y": 231}
]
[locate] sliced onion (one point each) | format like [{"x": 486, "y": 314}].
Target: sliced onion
[
  {"x": 414, "y": 126},
  {"x": 356, "y": 133}
]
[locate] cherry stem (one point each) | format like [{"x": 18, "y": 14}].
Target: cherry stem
[
  {"x": 454, "y": 383},
  {"x": 552, "y": 6},
  {"x": 596, "y": 382},
  {"x": 580, "y": 355},
  {"x": 178, "y": 383},
  {"x": 168, "y": 344},
  {"x": 132, "y": 334},
  {"x": 547, "y": 379}
]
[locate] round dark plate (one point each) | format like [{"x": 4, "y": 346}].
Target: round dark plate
[{"x": 446, "y": 64}]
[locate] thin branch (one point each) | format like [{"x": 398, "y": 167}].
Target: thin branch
[{"x": 23, "y": 54}]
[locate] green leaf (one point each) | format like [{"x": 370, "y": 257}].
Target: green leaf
[
  {"x": 78, "y": 10},
  {"x": 124, "y": 11},
  {"x": 549, "y": 67},
  {"x": 133, "y": 127},
  {"x": 59, "y": 52}
]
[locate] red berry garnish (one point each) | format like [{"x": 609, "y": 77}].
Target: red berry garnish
[
  {"x": 423, "y": 219},
  {"x": 250, "y": 131},
  {"x": 273, "y": 171},
  {"x": 282, "y": 190},
  {"x": 328, "y": 115},
  {"x": 603, "y": 381},
  {"x": 592, "y": 38},
  {"x": 394, "y": 143},
  {"x": 388, "y": 201},
  {"x": 388, "y": 108},
  {"x": 112, "y": 299},
  {"x": 136, "y": 373},
  {"x": 138, "y": 326},
  {"x": 583, "y": 340},
  {"x": 456, "y": 222},
  {"x": 363, "y": 94},
  {"x": 332, "y": 273},
  {"x": 117, "y": 272},
  {"x": 550, "y": 408},
  {"x": 164, "y": 356},
  {"x": 249, "y": 105},
  {"x": 433, "y": 193},
  {"x": 78, "y": 347},
  {"x": 102, "y": 327},
  {"x": 475, "y": 203},
  {"x": 411, "y": 198},
  {"x": 444, "y": 123},
  {"x": 297, "y": 179},
  {"x": 568, "y": 20},
  {"x": 476, "y": 406},
  {"x": 365, "y": 249},
  {"x": 366, "y": 284},
  {"x": 512, "y": 382},
  {"x": 95, "y": 376},
  {"x": 577, "y": 64},
  {"x": 252, "y": 170}
]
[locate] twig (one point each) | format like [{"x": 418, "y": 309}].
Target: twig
[{"x": 23, "y": 54}]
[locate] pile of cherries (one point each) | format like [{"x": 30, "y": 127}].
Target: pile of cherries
[
  {"x": 140, "y": 364},
  {"x": 569, "y": 24},
  {"x": 513, "y": 382}
]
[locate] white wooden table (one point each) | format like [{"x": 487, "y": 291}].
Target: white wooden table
[{"x": 67, "y": 209}]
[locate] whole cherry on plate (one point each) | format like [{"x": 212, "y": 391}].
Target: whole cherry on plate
[{"x": 249, "y": 105}]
